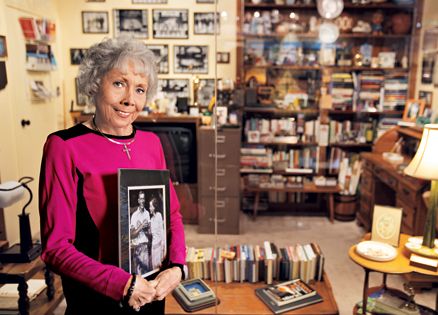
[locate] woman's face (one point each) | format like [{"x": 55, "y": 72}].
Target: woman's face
[{"x": 121, "y": 97}]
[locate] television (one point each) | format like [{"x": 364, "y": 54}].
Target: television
[{"x": 179, "y": 146}]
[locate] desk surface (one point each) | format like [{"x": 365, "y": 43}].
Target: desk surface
[
  {"x": 397, "y": 266},
  {"x": 240, "y": 299}
]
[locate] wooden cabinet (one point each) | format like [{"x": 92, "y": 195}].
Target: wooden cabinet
[{"x": 218, "y": 184}]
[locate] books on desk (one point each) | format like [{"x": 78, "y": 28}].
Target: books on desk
[{"x": 289, "y": 295}]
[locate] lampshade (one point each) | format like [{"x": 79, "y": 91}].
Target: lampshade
[
  {"x": 425, "y": 162},
  {"x": 10, "y": 193}
]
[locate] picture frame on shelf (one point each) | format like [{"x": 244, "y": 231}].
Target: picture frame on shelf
[
  {"x": 222, "y": 57},
  {"x": 139, "y": 192},
  {"x": 133, "y": 22},
  {"x": 149, "y": 1},
  {"x": 170, "y": 23},
  {"x": 161, "y": 52},
  {"x": 413, "y": 109},
  {"x": 174, "y": 88},
  {"x": 77, "y": 54},
  {"x": 81, "y": 99},
  {"x": 204, "y": 23},
  {"x": 3, "y": 47},
  {"x": 191, "y": 59},
  {"x": 253, "y": 136},
  {"x": 428, "y": 68},
  {"x": 205, "y": 92},
  {"x": 95, "y": 22},
  {"x": 386, "y": 224},
  {"x": 427, "y": 96}
]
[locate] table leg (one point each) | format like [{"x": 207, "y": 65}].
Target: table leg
[
  {"x": 385, "y": 276},
  {"x": 49, "y": 282},
  {"x": 365, "y": 291},
  {"x": 332, "y": 207},
  {"x": 256, "y": 204},
  {"x": 23, "y": 300}
]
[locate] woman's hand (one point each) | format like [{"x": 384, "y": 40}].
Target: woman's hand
[
  {"x": 144, "y": 292},
  {"x": 167, "y": 280}
]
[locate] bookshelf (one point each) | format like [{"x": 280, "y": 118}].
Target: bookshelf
[{"x": 335, "y": 99}]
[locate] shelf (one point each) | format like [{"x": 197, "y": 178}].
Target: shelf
[
  {"x": 364, "y": 113},
  {"x": 314, "y": 36},
  {"x": 307, "y": 188},
  {"x": 352, "y": 145},
  {"x": 369, "y": 6},
  {"x": 278, "y": 111},
  {"x": 320, "y": 67},
  {"x": 273, "y": 143}
]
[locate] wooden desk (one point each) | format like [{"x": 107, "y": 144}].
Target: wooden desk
[
  {"x": 307, "y": 188},
  {"x": 20, "y": 273},
  {"x": 240, "y": 299},
  {"x": 400, "y": 265}
]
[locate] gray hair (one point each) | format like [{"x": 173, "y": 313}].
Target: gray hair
[{"x": 114, "y": 53}]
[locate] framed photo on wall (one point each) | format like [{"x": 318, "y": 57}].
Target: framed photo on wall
[
  {"x": 131, "y": 22},
  {"x": 76, "y": 55},
  {"x": 170, "y": 23},
  {"x": 174, "y": 88},
  {"x": 144, "y": 218},
  {"x": 161, "y": 52},
  {"x": 222, "y": 57},
  {"x": 149, "y": 1},
  {"x": 81, "y": 99},
  {"x": 413, "y": 110},
  {"x": 95, "y": 22},
  {"x": 191, "y": 59},
  {"x": 204, "y": 23},
  {"x": 427, "y": 96},
  {"x": 3, "y": 47},
  {"x": 205, "y": 92}
]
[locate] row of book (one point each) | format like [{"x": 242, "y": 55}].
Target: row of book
[{"x": 254, "y": 263}]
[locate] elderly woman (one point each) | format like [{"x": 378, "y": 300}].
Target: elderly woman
[{"x": 78, "y": 188}]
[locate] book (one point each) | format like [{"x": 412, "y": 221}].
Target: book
[
  {"x": 278, "y": 309},
  {"x": 289, "y": 292},
  {"x": 423, "y": 262},
  {"x": 35, "y": 287}
]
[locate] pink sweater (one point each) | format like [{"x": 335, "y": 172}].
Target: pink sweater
[{"x": 79, "y": 207}]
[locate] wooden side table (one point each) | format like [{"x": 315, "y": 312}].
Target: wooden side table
[
  {"x": 240, "y": 299},
  {"x": 400, "y": 265},
  {"x": 20, "y": 273}
]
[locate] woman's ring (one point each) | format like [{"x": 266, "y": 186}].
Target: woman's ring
[{"x": 137, "y": 309}]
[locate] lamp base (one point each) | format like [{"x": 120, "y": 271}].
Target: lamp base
[{"x": 14, "y": 255}]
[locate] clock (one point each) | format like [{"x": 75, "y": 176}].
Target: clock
[{"x": 330, "y": 9}]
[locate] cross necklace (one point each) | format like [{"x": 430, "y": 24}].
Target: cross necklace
[{"x": 125, "y": 145}]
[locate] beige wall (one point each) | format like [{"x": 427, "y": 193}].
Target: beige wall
[
  {"x": 21, "y": 148},
  {"x": 430, "y": 19},
  {"x": 72, "y": 36}
]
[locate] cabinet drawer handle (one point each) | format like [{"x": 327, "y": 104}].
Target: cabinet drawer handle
[
  {"x": 221, "y": 189},
  {"x": 220, "y": 139},
  {"x": 220, "y": 172},
  {"x": 217, "y": 220},
  {"x": 219, "y": 156},
  {"x": 220, "y": 204}
]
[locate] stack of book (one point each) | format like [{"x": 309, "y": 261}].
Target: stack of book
[
  {"x": 194, "y": 295},
  {"x": 342, "y": 91},
  {"x": 254, "y": 263},
  {"x": 396, "y": 90},
  {"x": 288, "y": 296}
]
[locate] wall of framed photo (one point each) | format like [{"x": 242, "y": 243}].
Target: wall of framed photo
[{"x": 180, "y": 33}]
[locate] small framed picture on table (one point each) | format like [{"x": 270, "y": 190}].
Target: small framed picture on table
[{"x": 413, "y": 109}]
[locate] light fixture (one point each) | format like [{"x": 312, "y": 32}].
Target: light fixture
[
  {"x": 424, "y": 165},
  {"x": 330, "y": 9},
  {"x": 10, "y": 193}
]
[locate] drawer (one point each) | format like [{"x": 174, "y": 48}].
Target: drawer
[
  {"x": 228, "y": 181},
  {"x": 367, "y": 165},
  {"x": 385, "y": 177},
  {"x": 228, "y": 211},
  {"x": 366, "y": 181},
  {"x": 408, "y": 216},
  {"x": 407, "y": 194},
  {"x": 228, "y": 147}
]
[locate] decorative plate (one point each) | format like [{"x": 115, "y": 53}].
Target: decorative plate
[
  {"x": 414, "y": 245},
  {"x": 377, "y": 251}
]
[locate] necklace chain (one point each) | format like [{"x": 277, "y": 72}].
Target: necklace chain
[{"x": 125, "y": 145}]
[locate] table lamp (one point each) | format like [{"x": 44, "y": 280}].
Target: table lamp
[
  {"x": 424, "y": 165},
  {"x": 10, "y": 193}
]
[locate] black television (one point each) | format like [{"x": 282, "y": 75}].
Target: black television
[{"x": 179, "y": 146}]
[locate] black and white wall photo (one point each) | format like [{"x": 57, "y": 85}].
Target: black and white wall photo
[
  {"x": 132, "y": 22},
  {"x": 170, "y": 23},
  {"x": 191, "y": 59}
]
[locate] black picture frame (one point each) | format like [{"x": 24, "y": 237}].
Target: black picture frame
[
  {"x": 174, "y": 88},
  {"x": 161, "y": 52},
  {"x": 133, "y": 22},
  {"x": 149, "y": 1},
  {"x": 3, "y": 47},
  {"x": 191, "y": 59},
  {"x": 223, "y": 57},
  {"x": 81, "y": 99},
  {"x": 170, "y": 23},
  {"x": 143, "y": 253},
  {"x": 95, "y": 22},
  {"x": 77, "y": 55},
  {"x": 203, "y": 23}
]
